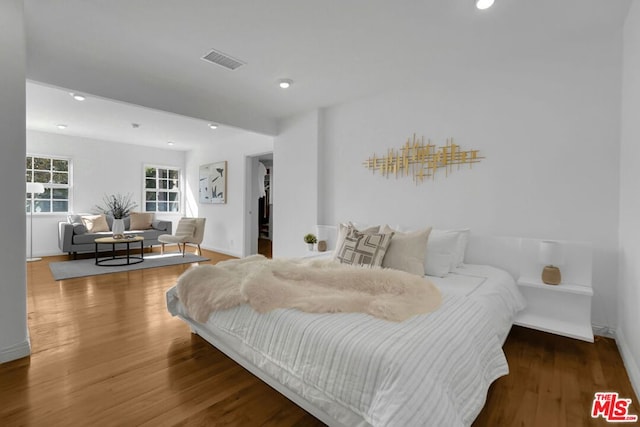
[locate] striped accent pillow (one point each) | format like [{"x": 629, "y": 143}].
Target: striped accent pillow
[{"x": 363, "y": 249}]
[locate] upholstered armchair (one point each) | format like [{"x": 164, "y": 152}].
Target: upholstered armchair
[{"x": 189, "y": 231}]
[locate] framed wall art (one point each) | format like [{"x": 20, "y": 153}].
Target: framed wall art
[{"x": 213, "y": 183}]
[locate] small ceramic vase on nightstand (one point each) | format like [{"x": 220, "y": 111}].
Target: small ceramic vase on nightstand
[{"x": 551, "y": 275}]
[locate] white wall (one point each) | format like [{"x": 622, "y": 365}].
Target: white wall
[
  {"x": 224, "y": 229},
  {"x": 628, "y": 337},
  {"x": 548, "y": 125},
  {"x": 295, "y": 161},
  {"x": 14, "y": 337},
  {"x": 99, "y": 168}
]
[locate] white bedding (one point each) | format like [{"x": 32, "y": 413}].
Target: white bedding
[
  {"x": 490, "y": 286},
  {"x": 430, "y": 370}
]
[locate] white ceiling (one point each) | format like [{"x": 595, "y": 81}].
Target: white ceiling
[
  {"x": 148, "y": 52},
  {"x": 109, "y": 120}
]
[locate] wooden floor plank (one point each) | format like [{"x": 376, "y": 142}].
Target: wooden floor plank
[{"x": 105, "y": 351}]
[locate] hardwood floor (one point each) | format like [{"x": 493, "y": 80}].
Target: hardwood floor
[
  {"x": 265, "y": 247},
  {"x": 552, "y": 381},
  {"x": 105, "y": 351}
]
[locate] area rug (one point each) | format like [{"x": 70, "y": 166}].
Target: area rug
[{"x": 87, "y": 267}]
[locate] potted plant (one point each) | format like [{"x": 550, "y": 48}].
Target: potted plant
[
  {"x": 119, "y": 206},
  {"x": 310, "y": 239}
]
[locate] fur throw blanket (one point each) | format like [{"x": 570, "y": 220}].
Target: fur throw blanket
[{"x": 315, "y": 286}]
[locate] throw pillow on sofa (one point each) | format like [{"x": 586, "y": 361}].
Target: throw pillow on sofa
[
  {"x": 76, "y": 221},
  {"x": 79, "y": 229},
  {"x": 75, "y": 218},
  {"x": 95, "y": 223},
  {"x": 141, "y": 220}
]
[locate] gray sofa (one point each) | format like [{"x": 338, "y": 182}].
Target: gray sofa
[{"x": 73, "y": 236}]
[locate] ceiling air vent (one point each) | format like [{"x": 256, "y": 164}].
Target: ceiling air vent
[{"x": 223, "y": 60}]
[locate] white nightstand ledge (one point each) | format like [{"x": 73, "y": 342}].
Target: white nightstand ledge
[{"x": 563, "y": 309}]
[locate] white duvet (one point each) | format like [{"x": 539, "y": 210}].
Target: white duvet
[{"x": 430, "y": 370}]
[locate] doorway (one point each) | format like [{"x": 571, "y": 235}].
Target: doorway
[
  {"x": 259, "y": 205},
  {"x": 265, "y": 206}
]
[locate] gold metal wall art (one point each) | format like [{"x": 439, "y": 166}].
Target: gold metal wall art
[{"x": 422, "y": 161}]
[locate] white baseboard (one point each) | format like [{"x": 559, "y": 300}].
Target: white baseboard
[
  {"x": 630, "y": 363},
  {"x": 223, "y": 251},
  {"x": 15, "y": 351}
]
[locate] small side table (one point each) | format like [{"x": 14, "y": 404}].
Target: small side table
[
  {"x": 563, "y": 309},
  {"x": 109, "y": 261}
]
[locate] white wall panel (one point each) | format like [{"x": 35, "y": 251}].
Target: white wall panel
[
  {"x": 629, "y": 287},
  {"x": 224, "y": 230},
  {"x": 14, "y": 337}
]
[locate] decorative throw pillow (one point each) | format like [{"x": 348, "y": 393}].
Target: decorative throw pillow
[
  {"x": 363, "y": 249},
  {"x": 140, "y": 220},
  {"x": 79, "y": 229},
  {"x": 75, "y": 218},
  {"x": 441, "y": 253},
  {"x": 406, "y": 251},
  {"x": 95, "y": 223},
  {"x": 343, "y": 229}
]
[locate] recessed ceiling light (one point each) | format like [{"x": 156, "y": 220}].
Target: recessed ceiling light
[
  {"x": 78, "y": 97},
  {"x": 484, "y": 4},
  {"x": 170, "y": 143},
  {"x": 285, "y": 83},
  {"x": 213, "y": 126},
  {"x": 62, "y": 126}
]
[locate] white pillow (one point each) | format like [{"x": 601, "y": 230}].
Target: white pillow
[
  {"x": 441, "y": 253},
  {"x": 437, "y": 264},
  {"x": 406, "y": 251},
  {"x": 461, "y": 246},
  {"x": 463, "y": 241}
]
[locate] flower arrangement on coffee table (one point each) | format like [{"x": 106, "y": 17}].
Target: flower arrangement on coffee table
[{"x": 119, "y": 206}]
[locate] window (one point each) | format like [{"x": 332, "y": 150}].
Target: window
[
  {"x": 55, "y": 174},
  {"x": 161, "y": 189}
]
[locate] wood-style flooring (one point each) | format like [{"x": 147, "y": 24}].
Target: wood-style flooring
[
  {"x": 265, "y": 247},
  {"x": 105, "y": 351}
]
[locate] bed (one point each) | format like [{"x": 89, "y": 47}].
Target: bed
[{"x": 352, "y": 369}]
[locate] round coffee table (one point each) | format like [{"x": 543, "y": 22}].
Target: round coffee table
[{"x": 112, "y": 260}]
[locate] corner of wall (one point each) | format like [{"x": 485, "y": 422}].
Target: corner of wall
[
  {"x": 629, "y": 202},
  {"x": 633, "y": 370}
]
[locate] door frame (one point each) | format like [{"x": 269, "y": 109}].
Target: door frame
[{"x": 251, "y": 233}]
